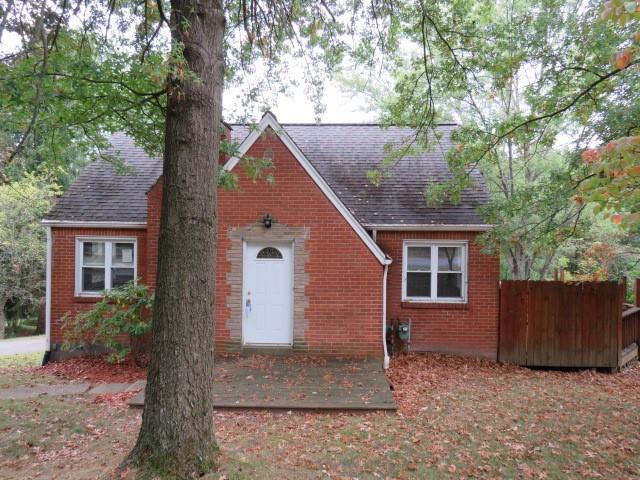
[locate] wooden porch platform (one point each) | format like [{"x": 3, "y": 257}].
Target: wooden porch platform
[{"x": 298, "y": 383}]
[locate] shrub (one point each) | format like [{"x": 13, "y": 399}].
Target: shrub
[{"x": 123, "y": 312}]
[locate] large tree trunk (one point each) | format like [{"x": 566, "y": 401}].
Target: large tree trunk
[{"x": 177, "y": 434}]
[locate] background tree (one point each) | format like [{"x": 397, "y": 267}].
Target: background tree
[
  {"x": 22, "y": 246},
  {"x": 528, "y": 81}
]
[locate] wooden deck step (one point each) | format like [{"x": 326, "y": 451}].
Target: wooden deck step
[{"x": 629, "y": 354}]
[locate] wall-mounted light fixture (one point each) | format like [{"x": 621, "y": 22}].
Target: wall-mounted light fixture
[{"x": 267, "y": 220}]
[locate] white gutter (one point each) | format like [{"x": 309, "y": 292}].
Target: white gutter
[
  {"x": 384, "y": 313},
  {"x": 48, "y": 290},
  {"x": 421, "y": 227},
  {"x": 90, "y": 224}
]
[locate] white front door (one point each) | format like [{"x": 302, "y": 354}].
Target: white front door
[{"x": 267, "y": 294}]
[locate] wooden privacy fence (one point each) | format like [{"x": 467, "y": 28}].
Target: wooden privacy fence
[{"x": 558, "y": 324}]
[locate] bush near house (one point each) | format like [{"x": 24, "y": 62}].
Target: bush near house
[{"x": 119, "y": 322}]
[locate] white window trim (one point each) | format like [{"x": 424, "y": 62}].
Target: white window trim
[
  {"x": 434, "y": 278},
  {"x": 109, "y": 241}
]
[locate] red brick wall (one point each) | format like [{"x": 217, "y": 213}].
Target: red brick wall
[
  {"x": 63, "y": 270},
  {"x": 344, "y": 287},
  {"x": 470, "y": 329}
]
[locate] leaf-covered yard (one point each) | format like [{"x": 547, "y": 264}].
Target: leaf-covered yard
[{"x": 457, "y": 418}]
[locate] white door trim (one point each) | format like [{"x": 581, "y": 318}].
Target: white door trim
[{"x": 245, "y": 259}]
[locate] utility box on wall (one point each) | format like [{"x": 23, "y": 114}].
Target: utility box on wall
[
  {"x": 404, "y": 331},
  {"x": 398, "y": 336}
]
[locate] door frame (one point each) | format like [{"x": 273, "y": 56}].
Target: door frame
[{"x": 265, "y": 243}]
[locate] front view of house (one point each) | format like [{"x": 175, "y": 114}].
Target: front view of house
[{"x": 317, "y": 260}]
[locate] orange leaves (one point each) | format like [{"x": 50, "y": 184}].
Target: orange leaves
[
  {"x": 622, "y": 59},
  {"x": 590, "y": 156},
  {"x": 614, "y": 181},
  {"x": 623, "y": 12}
]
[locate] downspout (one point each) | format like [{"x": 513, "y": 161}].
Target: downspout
[
  {"x": 48, "y": 291},
  {"x": 387, "y": 262}
]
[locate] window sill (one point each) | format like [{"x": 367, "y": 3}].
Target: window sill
[
  {"x": 87, "y": 298},
  {"x": 436, "y": 305}
]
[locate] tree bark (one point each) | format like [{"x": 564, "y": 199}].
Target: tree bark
[{"x": 177, "y": 435}]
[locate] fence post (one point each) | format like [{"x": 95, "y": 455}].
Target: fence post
[
  {"x": 638, "y": 292},
  {"x": 621, "y": 299}
]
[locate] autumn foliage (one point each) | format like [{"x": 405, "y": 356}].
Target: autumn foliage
[{"x": 613, "y": 182}]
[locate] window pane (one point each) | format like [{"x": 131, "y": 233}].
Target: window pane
[
  {"x": 92, "y": 279},
  {"x": 123, "y": 254},
  {"x": 450, "y": 285},
  {"x": 419, "y": 258},
  {"x": 418, "y": 284},
  {"x": 93, "y": 253},
  {"x": 269, "y": 252},
  {"x": 450, "y": 259},
  {"x": 120, "y": 276}
]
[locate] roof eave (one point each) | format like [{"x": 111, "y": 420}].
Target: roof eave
[
  {"x": 92, "y": 224},
  {"x": 428, "y": 227}
]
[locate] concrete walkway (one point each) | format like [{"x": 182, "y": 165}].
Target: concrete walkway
[
  {"x": 56, "y": 390},
  {"x": 290, "y": 383},
  {"x": 15, "y": 346}
]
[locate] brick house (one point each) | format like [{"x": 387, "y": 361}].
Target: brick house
[{"x": 316, "y": 261}]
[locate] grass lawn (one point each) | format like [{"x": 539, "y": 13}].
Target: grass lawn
[
  {"x": 21, "y": 370},
  {"x": 458, "y": 418}
]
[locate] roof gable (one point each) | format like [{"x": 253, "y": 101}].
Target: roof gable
[
  {"x": 269, "y": 121},
  {"x": 344, "y": 153}
]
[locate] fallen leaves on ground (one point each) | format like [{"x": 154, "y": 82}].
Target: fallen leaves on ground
[
  {"x": 95, "y": 369},
  {"x": 458, "y": 418},
  {"x": 419, "y": 379},
  {"x": 120, "y": 399}
]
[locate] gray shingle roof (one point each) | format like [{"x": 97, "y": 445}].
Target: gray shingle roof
[
  {"x": 342, "y": 154},
  {"x": 101, "y": 194}
]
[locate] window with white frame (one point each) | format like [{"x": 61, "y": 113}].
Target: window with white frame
[
  {"x": 103, "y": 264},
  {"x": 434, "y": 272}
]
